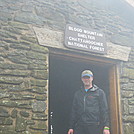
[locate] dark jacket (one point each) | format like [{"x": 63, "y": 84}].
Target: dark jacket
[{"x": 89, "y": 107}]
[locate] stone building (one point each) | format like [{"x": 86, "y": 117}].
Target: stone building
[{"x": 39, "y": 74}]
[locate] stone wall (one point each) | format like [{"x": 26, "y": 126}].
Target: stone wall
[{"x": 24, "y": 63}]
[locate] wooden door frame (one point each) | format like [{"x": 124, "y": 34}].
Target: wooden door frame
[{"x": 115, "y": 104}]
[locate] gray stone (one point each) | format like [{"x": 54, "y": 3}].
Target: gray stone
[
  {"x": 128, "y": 128},
  {"x": 5, "y": 16},
  {"x": 11, "y": 80},
  {"x": 19, "y": 59},
  {"x": 38, "y": 48},
  {"x": 125, "y": 109},
  {"x": 30, "y": 122},
  {"x": 25, "y": 105},
  {"x": 40, "y": 83},
  {"x": 28, "y": 18},
  {"x": 50, "y": 14},
  {"x": 12, "y": 66},
  {"x": 38, "y": 67},
  {"x": 41, "y": 97},
  {"x": 4, "y": 95},
  {"x": 39, "y": 116},
  {"x": 22, "y": 73},
  {"x": 40, "y": 125},
  {"x": 129, "y": 118},
  {"x": 38, "y": 56},
  {"x": 39, "y": 106},
  {"x": 20, "y": 46},
  {"x": 29, "y": 39},
  {"x": 8, "y": 103},
  {"x": 24, "y": 113},
  {"x": 127, "y": 72},
  {"x": 19, "y": 25},
  {"x": 39, "y": 90},
  {"x": 20, "y": 124},
  {"x": 131, "y": 109},
  {"x": 128, "y": 86},
  {"x": 39, "y": 74},
  {"x": 14, "y": 113},
  {"x": 124, "y": 80},
  {"x": 127, "y": 94},
  {"x": 3, "y": 112},
  {"x": 131, "y": 101},
  {"x": 13, "y": 30}
]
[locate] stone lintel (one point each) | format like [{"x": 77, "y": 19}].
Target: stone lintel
[{"x": 55, "y": 39}]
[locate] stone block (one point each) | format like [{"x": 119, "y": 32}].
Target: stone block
[
  {"x": 41, "y": 97},
  {"x": 29, "y": 39},
  {"x": 22, "y": 73},
  {"x": 38, "y": 56},
  {"x": 40, "y": 125},
  {"x": 129, "y": 118},
  {"x": 131, "y": 109},
  {"x": 8, "y": 121},
  {"x": 131, "y": 101},
  {"x": 127, "y": 72},
  {"x": 127, "y": 94},
  {"x": 8, "y": 103},
  {"x": 128, "y": 128},
  {"x": 40, "y": 74},
  {"x": 30, "y": 122},
  {"x": 13, "y": 66},
  {"x": 19, "y": 59},
  {"x": 39, "y": 116},
  {"x": 40, "y": 83},
  {"x": 19, "y": 25},
  {"x": 4, "y": 112},
  {"x": 24, "y": 113},
  {"x": 50, "y": 13},
  {"x": 19, "y": 46},
  {"x": 5, "y": 16},
  {"x": 4, "y": 94},
  {"x": 39, "y": 106},
  {"x": 28, "y": 18},
  {"x": 38, "y": 67},
  {"x": 38, "y": 48},
  {"x": 10, "y": 80},
  {"x": 127, "y": 86},
  {"x": 10, "y": 40},
  {"x": 38, "y": 90},
  {"x": 25, "y": 105},
  {"x": 125, "y": 105},
  {"x": 14, "y": 113},
  {"x": 124, "y": 80},
  {"x": 13, "y": 30},
  {"x": 20, "y": 124},
  {"x": 21, "y": 96}
]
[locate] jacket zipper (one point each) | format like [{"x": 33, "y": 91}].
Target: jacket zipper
[{"x": 85, "y": 103}]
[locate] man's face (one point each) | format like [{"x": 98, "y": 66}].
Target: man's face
[{"x": 87, "y": 81}]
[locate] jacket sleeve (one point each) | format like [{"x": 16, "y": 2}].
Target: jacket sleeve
[
  {"x": 104, "y": 109},
  {"x": 73, "y": 117}
]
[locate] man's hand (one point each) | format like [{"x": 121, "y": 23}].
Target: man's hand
[
  {"x": 71, "y": 131},
  {"x": 105, "y": 131}
]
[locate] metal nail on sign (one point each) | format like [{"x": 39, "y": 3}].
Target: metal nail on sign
[{"x": 86, "y": 39}]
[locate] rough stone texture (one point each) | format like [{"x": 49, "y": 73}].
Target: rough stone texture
[{"x": 24, "y": 63}]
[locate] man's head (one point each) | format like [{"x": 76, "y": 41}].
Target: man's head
[{"x": 87, "y": 77}]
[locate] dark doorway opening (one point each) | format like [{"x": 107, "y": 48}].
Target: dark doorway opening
[{"x": 64, "y": 80}]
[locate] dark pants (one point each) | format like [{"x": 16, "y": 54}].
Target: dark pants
[{"x": 87, "y": 129}]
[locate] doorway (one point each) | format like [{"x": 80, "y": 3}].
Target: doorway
[{"x": 64, "y": 80}]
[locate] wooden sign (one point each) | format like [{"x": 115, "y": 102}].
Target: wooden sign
[{"x": 81, "y": 38}]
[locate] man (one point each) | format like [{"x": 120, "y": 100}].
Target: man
[{"x": 89, "y": 109}]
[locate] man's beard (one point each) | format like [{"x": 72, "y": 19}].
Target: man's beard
[{"x": 86, "y": 83}]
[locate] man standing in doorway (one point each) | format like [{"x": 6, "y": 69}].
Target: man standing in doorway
[{"x": 89, "y": 109}]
